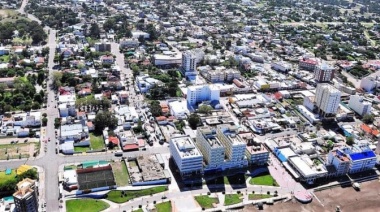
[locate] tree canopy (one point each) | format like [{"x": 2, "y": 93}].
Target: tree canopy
[
  {"x": 25, "y": 29},
  {"x": 105, "y": 119}
]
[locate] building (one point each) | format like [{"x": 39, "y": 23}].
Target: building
[
  {"x": 359, "y": 105},
  {"x": 26, "y": 196},
  {"x": 179, "y": 109},
  {"x": 308, "y": 64},
  {"x": 281, "y": 66},
  {"x": 103, "y": 47},
  {"x": 340, "y": 161},
  {"x": 129, "y": 43},
  {"x": 255, "y": 152},
  {"x": 324, "y": 73},
  {"x": 186, "y": 156},
  {"x": 167, "y": 59},
  {"x": 306, "y": 168},
  {"x": 369, "y": 83},
  {"x": 189, "y": 62},
  {"x": 234, "y": 146},
  {"x": 361, "y": 158},
  {"x": 327, "y": 99},
  {"x": 211, "y": 148},
  {"x": 199, "y": 93}
]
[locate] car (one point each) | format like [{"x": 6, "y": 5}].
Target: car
[
  {"x": 163, "y": 197},
  {"x": 118, "y": 154}
]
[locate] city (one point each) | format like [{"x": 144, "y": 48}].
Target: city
[{"x": 189, "y": 105}]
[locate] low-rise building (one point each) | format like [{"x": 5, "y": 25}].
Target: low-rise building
[{"x": 359, "y": 105}]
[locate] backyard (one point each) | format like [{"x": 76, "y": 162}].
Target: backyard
[
  {"x": 206, "y": 201},
  {"x": 16, "y": 151},
  {"x": 121, "y": 173},
  {"x": 266, "y": 179},
  {"x": 164, "y": 207},
  {"x": 232, "y": 199},
  {"x": 124, "y": 196},
  {"x": 85, "y": 205},
  {"x": 81, "y": 149},
  {"x": 97, "y": 142}
]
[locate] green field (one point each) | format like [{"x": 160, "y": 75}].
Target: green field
[
  {"x": 206, "y": 201},
  {"x": 258, "y": 196},
  {"x": 232, "y": 199},
  {"x": 164, "y": 207},
  {"x": 263, "y": 180},
  {"x": 82, "y": 205},
  {"x": 97, "y": 142},
  {"x": 117, "y": 197},
  {"x": 4, "y": 177},
  {"x": 121, "y": 173},
  {"x": 81, "y": 149},
  {"x": 138, "y": 210}
]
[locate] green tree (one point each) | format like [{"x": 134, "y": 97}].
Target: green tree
[
  {"x": 194, "y": 120},
  {"x": 36, "y": 106},
  {"x": 57, "y": 77},
  {"x": 95, "y": 31},
  {"x": 155, "y": 108},
  {"x": 205, "y": 109},
  {"x": 44, "y": 121},
  {"x": 350, "y": 140},
  {"x": 105, "y": 119},
  {"x": 368, "y": 118}
]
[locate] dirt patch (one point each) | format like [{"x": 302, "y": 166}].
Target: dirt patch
[
  {"x": 15, "y": 151},
  {"x": 366, "y": 200}
]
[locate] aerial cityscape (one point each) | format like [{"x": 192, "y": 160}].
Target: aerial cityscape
[{"x": 189, "y": 106}]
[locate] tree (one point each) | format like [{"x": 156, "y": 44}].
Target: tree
[
  {"x": 350, "y": 140},
  {"x": 44, "y": 121},
  {"x": 205, "y": 109},
  {"x": 57, "y": 77},
  {"x": 155, "y": 108},
  {"x": 368, "y": 118},
  {"x": 95, "y": 31},
  {"x": 194, "y": 120},
  {"x": 105, "y": 119},
  {"x": 36, "y": 106}
]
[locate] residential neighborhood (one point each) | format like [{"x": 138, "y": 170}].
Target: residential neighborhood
[{"x": 189, "y": 105}]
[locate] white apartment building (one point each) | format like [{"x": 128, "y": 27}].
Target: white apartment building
[
  {"x": 198, "y": 93},
  {"x": 189, "y": 61},
  {"x": 234, "y": 145},
  {"x": 186, "y": 156},
  {"x": 212, "y": 149},
  {"x": 327, "y": 99},
  {"x": 369, "y": 83},
  {"x": 340, "y": 161},
  {"x": 359, "y": 105},
  {"x": 26, "y": 198}
]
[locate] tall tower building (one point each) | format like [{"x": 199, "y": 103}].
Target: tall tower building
[
  {"x": 324, "y": 73},
  {"x": 26, "y": 198},
  {"x": 327, "y": 99},
  {"x": 189, "y": 61}
]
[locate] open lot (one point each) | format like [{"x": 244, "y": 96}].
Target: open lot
[
  {"x": 15, "y": 151},
  {"x": 206, "y": 201},
  {"x": 164, "y": 207},
  {"x": 366, "y": 200},
  {"x": 232, "y": 199},
  {"x": 120, "y": 172},
  {"x": 97, "y": 142},
  {"x": 124, "y": 196},
  {"x": 86, "y": 205},
  {"x": 266, "y": 179}
]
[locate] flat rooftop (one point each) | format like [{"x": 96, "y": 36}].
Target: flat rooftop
[{"x": 186, "y": 146}]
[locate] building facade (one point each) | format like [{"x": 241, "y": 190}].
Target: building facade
[
  {"x": 211, "y": 148},
  {"x": 26, "y": 197},
  {"x": 186, "y": 156},
  {"x": 235, "y": 147},
  {"x": 324, "y": 73},
  {"x": 199, "y": 93},
  {"x": 327, "y": 99},
  {"x": 359, "y": 105}
]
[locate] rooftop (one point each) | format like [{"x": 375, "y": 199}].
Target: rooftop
[{"x": 186, "y": 146}]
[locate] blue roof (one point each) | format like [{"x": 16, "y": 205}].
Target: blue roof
[{"x": 362, "y": 155}]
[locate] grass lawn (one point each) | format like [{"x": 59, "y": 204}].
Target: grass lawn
[
  {"x": 263, "y": 180},
  {"x": 206, "y": 201},
  {"x": 86, "y": 205},
  {"x": 235, "y": 179},
  {"x": 258, "y": 196},
  {"x": 116, "y": 196},
  {"x": 4, "y": 177},
  {"x": 4, "y": 58},
  {"x": 232, "y": 199},
  {"x": 81, "y": 149},
  {"x": 164, "y": 207},
  {"x": 138, "y": 210},
  {"x": 70, "y": 167},
  {"x": 97, "y": 142},
  {"x": 120, "y": 172}
]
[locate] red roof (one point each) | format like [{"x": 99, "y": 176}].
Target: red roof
[
  {"x": 113, "y": 140},
  {"x": 130, "y": 146}
]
